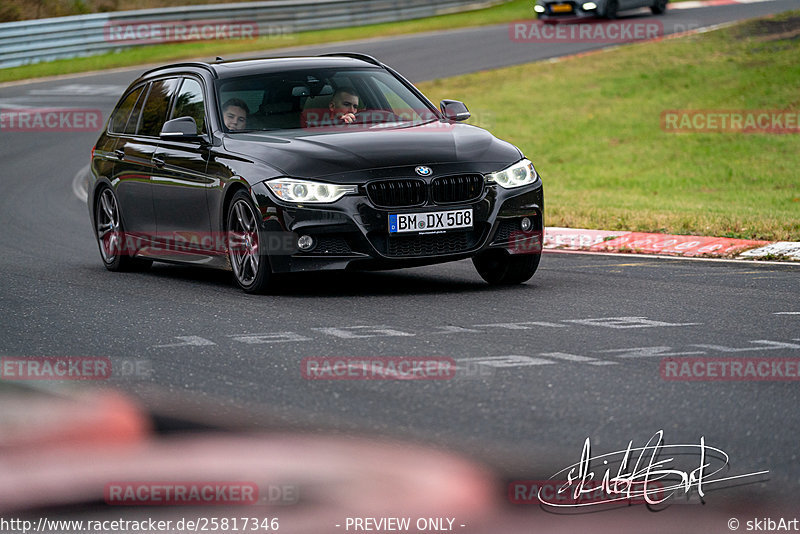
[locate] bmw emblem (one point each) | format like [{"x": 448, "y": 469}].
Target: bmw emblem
[{"x": 422, "y": 170}]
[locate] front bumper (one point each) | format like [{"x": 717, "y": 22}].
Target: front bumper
[
  {"x": 566, "y": 11},
  {"x": 353, "y": 233}
]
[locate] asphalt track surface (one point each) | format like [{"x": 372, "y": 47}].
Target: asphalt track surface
[{"x": 574, "y": 353}]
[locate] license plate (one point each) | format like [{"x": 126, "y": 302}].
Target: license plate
[
  {"x": 433, "y": 221},
  {"x": 561, "y": 8}
]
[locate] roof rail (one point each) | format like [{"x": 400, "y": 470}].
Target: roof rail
[
  {"x": 198, "y": 64},
  {"x": 355, "y": 55}
]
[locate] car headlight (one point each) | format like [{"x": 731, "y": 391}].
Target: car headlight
[
  {"x": 538, "y": 8},
  {"x": 293, "y": 190},
  {"x": 517, "y": 175}
]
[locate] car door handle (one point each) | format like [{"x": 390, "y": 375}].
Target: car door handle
[
  {"x": 120, "y": 154},
  {"x": 158, "y": 162}
]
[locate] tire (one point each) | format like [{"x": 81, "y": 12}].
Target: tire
[
  {"x": 659, "y": 7},
  {"x": 611, "y": 9},
  {"x": 498, "y": 267},
  {"x": 250, "y": 266},
  {"x": 110, "y": 233}
]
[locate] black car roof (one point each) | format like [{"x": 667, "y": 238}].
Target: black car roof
[{"x": 243, "y": 67}]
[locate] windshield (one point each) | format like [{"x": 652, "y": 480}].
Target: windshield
[{"x": 319, "y": 98}]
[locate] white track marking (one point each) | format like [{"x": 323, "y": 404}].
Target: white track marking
[{"x": 80, "y": 184}]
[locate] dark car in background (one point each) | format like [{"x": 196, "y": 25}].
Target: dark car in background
[
  {"x": 554, "y": 10},
  {"x": 294, "y": 187}
]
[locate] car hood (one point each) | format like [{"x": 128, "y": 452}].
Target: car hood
[{"x": 344, "y": 152}]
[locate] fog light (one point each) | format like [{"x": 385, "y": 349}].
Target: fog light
[
  {"x": 305, "y": 242},
  {"x": 588, "y": 6},
  {"x": 538, "y": 8},
  {"x": 525, "y": 223}
]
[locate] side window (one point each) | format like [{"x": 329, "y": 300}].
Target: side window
[
  {"x": 154, "y": 114},
  {"x": 133, "y": 120},
  {"x": 189, "y": 103},
  {"x": 120, "y": 116}
]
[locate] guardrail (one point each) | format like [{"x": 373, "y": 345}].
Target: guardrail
[{"x": 32, "y": 41}]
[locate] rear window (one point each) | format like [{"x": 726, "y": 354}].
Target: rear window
[
  {"x": 133, "y": 120},
  {"x": 120, "y": 116}
]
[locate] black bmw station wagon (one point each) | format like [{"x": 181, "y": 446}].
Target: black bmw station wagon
[{"x": 280, "y": 165}]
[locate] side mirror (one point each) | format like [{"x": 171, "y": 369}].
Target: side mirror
[
  {"x": 454, "y": 110},
  {"x": 182, "y": 129}
]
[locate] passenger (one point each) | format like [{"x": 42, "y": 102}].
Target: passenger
[{"x": 234, "y": 114}]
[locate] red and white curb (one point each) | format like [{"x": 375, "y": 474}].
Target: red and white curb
[
  {"x": 780, "y": 249},
  {"x": 709, "y": 3},
  {"x": 574, "y": 239}
]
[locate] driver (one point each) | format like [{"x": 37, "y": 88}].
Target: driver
[{"x": 344, "y": 105}]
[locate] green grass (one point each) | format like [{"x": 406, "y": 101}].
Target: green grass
[
  {"x": 591, "y": 125},
  {"x": 505, "y": 12}
]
